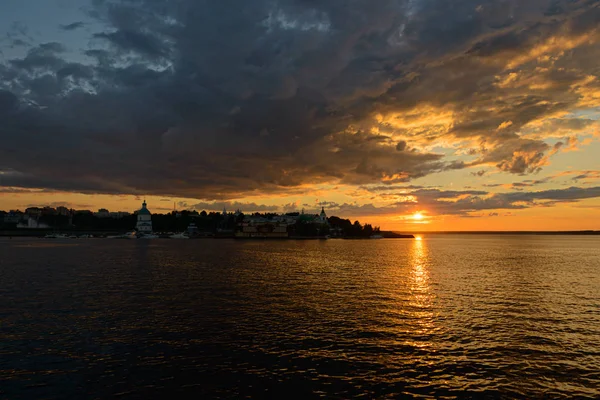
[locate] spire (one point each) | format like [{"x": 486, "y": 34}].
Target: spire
[{"x": 144, "y": 204}]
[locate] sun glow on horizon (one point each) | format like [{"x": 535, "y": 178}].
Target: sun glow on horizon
[{"x": 418, "y": 216}]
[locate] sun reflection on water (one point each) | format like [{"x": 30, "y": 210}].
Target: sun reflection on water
[{"x": 421, "y": 295}]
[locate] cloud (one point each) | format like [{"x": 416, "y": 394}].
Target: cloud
[
  {"x": 205, "y": 100},
  {"x": 72, "y": 26},
  {"x": 130, "y": 41},
  {"x": 401, "y": 146},
  {"x": 517, "y": 156},
  {"x": 8, "y": 102},
  {"x": 19, "y": 190},
  {"x": 232, "y": 206},
  {"x": 385, "y": 188},
  {"x": 290, "y": 207},
  {"x": 55, "y": 204},
  {"x": 464, "y": 203},
  {"x": 585, "y": 175}
]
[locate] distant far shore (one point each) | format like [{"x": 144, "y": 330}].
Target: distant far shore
[
  {"x": 103, "y": 233},
  {"x": 384, "y": 234}
]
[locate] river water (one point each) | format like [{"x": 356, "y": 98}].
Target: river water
[{"x": 447, "y": 316}]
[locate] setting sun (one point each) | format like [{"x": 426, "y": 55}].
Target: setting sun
[{"x": 418, "y": 216}]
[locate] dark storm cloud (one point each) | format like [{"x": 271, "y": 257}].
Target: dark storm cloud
[
  {"x": 18, "y": 43},
  {"x": 46, "y": 56},
  {"x": 16, "y": 190},
  {"x": 131, "y": 41},
  {"x": 8, "y": 102},
  {"x": 216, "y": 99},
  {"x": 72, "y": 26}
]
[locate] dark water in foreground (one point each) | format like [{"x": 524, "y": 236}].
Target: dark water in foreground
[{"x": 466, "y": 316}]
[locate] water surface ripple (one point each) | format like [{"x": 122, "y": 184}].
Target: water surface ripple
[{"x": 449, "y": 316}]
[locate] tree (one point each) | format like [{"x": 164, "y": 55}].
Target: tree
[
  {"x": 356, "y": 230},
  {"x": 368, "y": 230}
]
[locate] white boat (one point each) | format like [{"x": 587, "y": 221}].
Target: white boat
[
  {"x": 181, "y": 235},
  {"x": 55, "y": 236}
]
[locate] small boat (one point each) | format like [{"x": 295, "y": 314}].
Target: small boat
[
  {"x": 55, "y": 236},
  {"x": 181, "y": 235}
]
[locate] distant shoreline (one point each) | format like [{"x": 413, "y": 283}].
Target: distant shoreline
[{"x": 385, "y": 234}]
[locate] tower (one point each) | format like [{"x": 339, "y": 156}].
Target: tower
[
  {"x": 144, "y": 220},
  {"x": 323, "y": 216}
]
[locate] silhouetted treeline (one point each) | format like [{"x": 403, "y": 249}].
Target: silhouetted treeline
[
  {"x": 349, "y": 229},
  {"x": 204, "y": 221}
]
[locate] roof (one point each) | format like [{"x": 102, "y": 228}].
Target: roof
[
  {"x": 144, "y": 210},
  {"x": 306, "y": 217}
]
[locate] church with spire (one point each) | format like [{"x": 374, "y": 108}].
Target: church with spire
[
  {"x": 323, "y": 216},
  {"x": 144, "y": 220}
]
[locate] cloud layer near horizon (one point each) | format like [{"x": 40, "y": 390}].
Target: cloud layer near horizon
[{"x": 217, "y": 100}]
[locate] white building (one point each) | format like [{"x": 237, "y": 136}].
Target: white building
[
  {"x": 32, "y": 223},
  {"x": 144, "y": 220}
]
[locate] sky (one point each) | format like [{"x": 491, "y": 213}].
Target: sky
[{"x": 414, "y": 115}]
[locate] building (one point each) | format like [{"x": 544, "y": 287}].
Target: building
[
  {"x": 144, "y": 220},
  {"x": 13, "y": 217},
  {"x": 119, "y": 214},
  {"x": 323, "y": 216},
  {"x": 32, "y": 223},
  {"x": 262, "y": 229}
]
